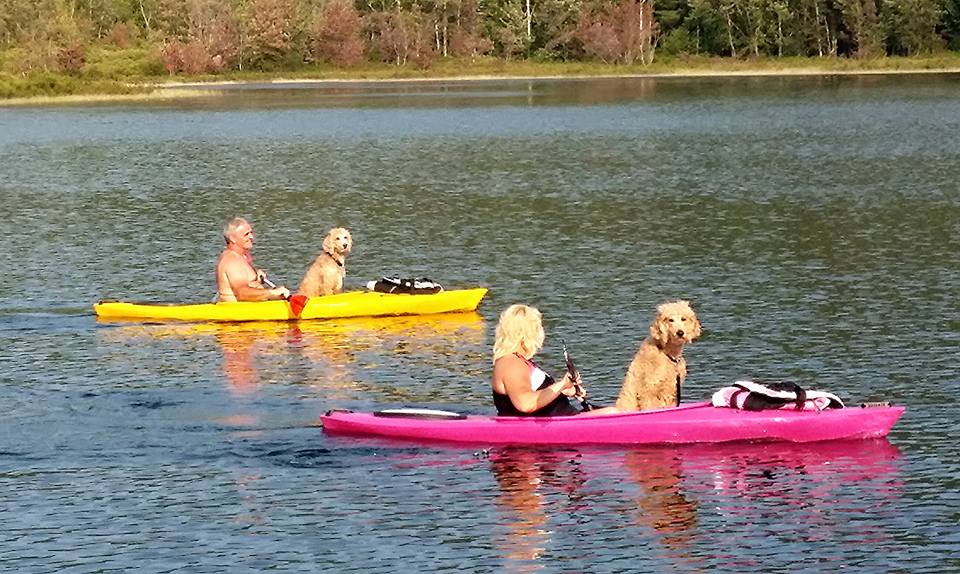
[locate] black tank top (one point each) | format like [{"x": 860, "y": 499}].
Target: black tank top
[{"x": 558, "y": 407}]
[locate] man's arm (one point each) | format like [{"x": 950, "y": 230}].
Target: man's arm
[
  {"x": 235, "y": 275},
  {"x": 253, "y": 292}
]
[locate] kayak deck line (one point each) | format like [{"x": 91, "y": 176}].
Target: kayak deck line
[
  {"x": 688, "y": 423},
  {"x": 339, "y": 306}
]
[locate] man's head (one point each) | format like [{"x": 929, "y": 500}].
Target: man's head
[{"x": 238, "y": 232}]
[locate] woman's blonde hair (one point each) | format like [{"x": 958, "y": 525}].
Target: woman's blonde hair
[{"x": 520, "y": 330}]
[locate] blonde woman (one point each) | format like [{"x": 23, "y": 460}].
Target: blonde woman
[{"x": 520, "y": 387}]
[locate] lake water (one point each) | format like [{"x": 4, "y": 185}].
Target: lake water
[{"x": 814, "y": 224}]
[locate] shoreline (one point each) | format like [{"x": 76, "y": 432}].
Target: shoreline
[
  {"x": 176, "y": 90},
  {"x": 227, "y": 84}
]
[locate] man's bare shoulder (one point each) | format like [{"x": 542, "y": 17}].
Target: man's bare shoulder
[{"x": 228, "y": 258}]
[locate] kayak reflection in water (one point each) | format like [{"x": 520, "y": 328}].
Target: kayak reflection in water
[
  {"x": 535, "y": 485},
  {"x": 661, "y": 501},
  {"x": 520, "y": 386}
]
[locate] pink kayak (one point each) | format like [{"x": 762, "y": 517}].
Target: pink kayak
[{"x": 689, "y": 423}]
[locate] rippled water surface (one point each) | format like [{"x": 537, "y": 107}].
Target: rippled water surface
[{"x": 813, "y": 223}]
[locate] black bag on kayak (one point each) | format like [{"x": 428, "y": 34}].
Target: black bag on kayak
[
  {"x": 411, "y": 286},
  {"x": 773, "y": 395},
  {"x": 760, "y": 396}
]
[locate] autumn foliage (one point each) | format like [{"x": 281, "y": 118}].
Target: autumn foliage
[
  {"x": 71, "y": 59},
  {"x": 336, "y": 35},
  {"x": 621, "y": 33},
  {"x": 466, "y": 36},
  {"x": 270, "y": 28},
  {"x": 209, "y": 36},
  {"x": 402, "y": 37}
]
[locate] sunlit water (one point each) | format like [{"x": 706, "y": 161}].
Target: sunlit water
[{"x": 813, "y": 223}]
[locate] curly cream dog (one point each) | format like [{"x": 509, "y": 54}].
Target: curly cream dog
[
  {"x": 658, "y": 369},
  {"x": 325, "y": 275}
]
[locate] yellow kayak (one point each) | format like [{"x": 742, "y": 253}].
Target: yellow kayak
[{"x": 350, "y": 304}]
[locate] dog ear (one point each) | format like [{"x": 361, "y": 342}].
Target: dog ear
[
  {"x": 658, "y": 331},
  {"x": 696, "y": 327},
  {"x": 328, "y": 241},
  {"x": 695, "y": 330}
]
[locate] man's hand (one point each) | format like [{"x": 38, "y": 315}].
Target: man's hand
[{"x": 280, "y": 292}]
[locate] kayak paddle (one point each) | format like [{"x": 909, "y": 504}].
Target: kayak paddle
[
  {"x": 297, "y": 301},
  {"x": 575, "y": 375}
]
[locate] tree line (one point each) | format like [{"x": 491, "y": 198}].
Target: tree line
[{"x": 208, "y": 36}]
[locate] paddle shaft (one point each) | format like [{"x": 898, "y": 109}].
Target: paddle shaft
[{"x": 575, "y": 376}]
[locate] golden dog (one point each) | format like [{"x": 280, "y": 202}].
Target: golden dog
[
  {"x": 325, "y": 275},
  {"x": 658, "y": 369}
]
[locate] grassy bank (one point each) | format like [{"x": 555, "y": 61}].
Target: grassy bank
[
  {"x": 136, "y": 73},
  {"x": 498, "y": 68}
]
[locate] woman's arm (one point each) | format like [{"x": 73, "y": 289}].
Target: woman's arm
[{"x": 515, "y": 375}]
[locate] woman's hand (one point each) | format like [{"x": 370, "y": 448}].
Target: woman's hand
[{"x": 569, "y": 385}]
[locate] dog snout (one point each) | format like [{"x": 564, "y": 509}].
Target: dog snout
[{"x": 679, "y": 332}]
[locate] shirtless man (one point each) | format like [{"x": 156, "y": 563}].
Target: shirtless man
[{"x": 237, "y": 278}]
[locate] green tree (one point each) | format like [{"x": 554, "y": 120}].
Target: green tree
[
  {"x": 913, "y": 25},
  {"x": 817, "y": 27},
  {"x": 554, "y": 24},
  {"x": 49, "y": 34},
  {"x": 506, "y": 26},
  {"x": 707, "y": 28},
  {"x": 104, "y": 14},
  {"x": 17, "y": 18},
  {"x": 863, "y": 26}
]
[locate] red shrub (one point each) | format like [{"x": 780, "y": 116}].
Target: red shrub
[
  {"x": 121, "y": 35},
  {"x": 336, "y": 34},
  {"x": 464, "y": 43},
  {"x": 270, "y": 28},
  {"x": 196, "y": 60},
  {"x": 618, "y": 33},
  {"x": 400, "y": 37},
  {"x": 222, "y": 42},
  {"x": 71, "y": 59},
  {"x": 171, "y": 54}
]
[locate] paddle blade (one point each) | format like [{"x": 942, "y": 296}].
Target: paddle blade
[{"x": 297, "y": 303}]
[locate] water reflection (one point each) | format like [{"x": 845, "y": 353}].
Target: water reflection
[
  {"x": 239, "y": 359},
  {"x": 661, "y": 503},
  {"x": 819, "y": 486},
  {"x": 323, "y": 354},
  {"x": 681, "y": 498},
  {"x": 525, "y": 476}
]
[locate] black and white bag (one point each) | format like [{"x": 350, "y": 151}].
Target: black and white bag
[
  {"x": 760, "y": 396},
  {"x": 411, "y": 286}
]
